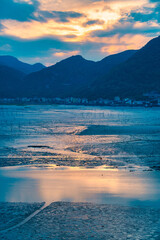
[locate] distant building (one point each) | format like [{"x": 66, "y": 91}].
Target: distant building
[{"x": 128, "y": 101}]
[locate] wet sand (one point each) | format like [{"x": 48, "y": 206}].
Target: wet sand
[
  {"x": 80, "y": 136},
  {"x": 62, "y": 220},
  {"x": 13, "y": 213}
]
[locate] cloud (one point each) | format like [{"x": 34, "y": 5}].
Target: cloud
[
  {"x": 155, "y": 1},
  {"x": 66, "y": 5},
  {"x": 93, "y": 22},
  {"x": 121, "y": 43},
  {"x": 72, "y": 31},
  {"x": 73, "y": 26},
  {"x": 48, "y": 50},
  {"x": 50, "y": 30},
  {"x": 65, "y": 54},
  {"x": 33, "y": 48},
  {"x": 5, "y": 48},
  {"x": 42, "y": 49},
  {"x": 129, "y": 27},
  {"x": 21, "y": 11},
  {"x": 59, "y": 16},
  {"x": 1, "y": 27},
  {"x": 146, "y": 14}
]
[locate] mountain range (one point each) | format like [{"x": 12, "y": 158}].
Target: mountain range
[
  {"x": 127, "y": 74},
  {"x": 67, "y": 77}
]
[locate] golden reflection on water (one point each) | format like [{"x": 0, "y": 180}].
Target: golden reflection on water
[
  {"x": 71, "y": 147},
  {"x": 78, "y": 185}
]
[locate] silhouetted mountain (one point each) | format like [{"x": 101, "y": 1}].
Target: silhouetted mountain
[
  {"x": 127, "y": 74},
  {"x": 60, "y": 79},
  {"x": 10, "y": 81},
  {"x": 107, "y": 63},
  {"x": 67, "y": 77},
  {"x": 20, "y": 66},
  {"x": 138, "y": 75}
]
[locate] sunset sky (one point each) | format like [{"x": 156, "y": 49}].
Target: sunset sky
[{"x": 50, "y": 30}]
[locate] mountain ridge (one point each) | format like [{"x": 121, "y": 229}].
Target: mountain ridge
[
  {"x": 15, "y": 63},
  {"x": 64, "y": 79},
  {"x": 138, "y": 75}
]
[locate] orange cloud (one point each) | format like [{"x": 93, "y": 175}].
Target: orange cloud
[
  {"x": 65, "y": 54},
  {"x": 119, "y": 44},
  {"x": 107, "y": 12}
]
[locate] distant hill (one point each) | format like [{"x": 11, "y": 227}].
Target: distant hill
[
  {"x": 61, "y": 79},
  {"x": 10, "y": 81},
  {"x": 138, "y": 75},
  {"x": 20, "y": 66},
  {"x": 67, "y": 77},
  {"x": 127, "y": 74}
]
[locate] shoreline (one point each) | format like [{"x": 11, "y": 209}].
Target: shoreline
[{"x": 80, "y": 105}]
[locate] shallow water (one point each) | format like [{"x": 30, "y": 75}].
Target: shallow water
[{"x": 99, "y": 185}]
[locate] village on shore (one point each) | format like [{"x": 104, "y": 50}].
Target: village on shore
[{"x": 151, "y": 99}]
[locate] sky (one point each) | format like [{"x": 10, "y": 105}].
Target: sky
[{"x": 48, "y": 31}]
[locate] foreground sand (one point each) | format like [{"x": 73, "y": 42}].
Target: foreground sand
[{"x": 62, "y": 220}]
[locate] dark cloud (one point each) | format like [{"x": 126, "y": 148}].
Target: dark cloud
[
  {"x": 93, "y": 22},
  {"x": 127, "y": 28},
  {"x": 147, "y": 14},
  {"x": 59, "y": 16},
  {"x": 35, "y": 48},
  {"x": 20, "y": 11},
  {"x": 1, "y": 27},
  {"x": 155, "y": 1}
]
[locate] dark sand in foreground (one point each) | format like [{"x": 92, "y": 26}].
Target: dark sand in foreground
[{"x": 62, "y": 220}]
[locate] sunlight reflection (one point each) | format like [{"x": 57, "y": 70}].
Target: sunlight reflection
[{"x": 76, "y": 185}]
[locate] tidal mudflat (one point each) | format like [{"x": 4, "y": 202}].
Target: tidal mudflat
[
  {"x": 75, "y": 221},
  {"x": 80, "y": 136},
  {"x": 99, "y": 166}
]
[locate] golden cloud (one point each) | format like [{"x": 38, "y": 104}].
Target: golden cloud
[
  {"x": 118, "y": 44},
  {"x": 106, "y": 12},
  {"x": 65, "y": 54}
]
